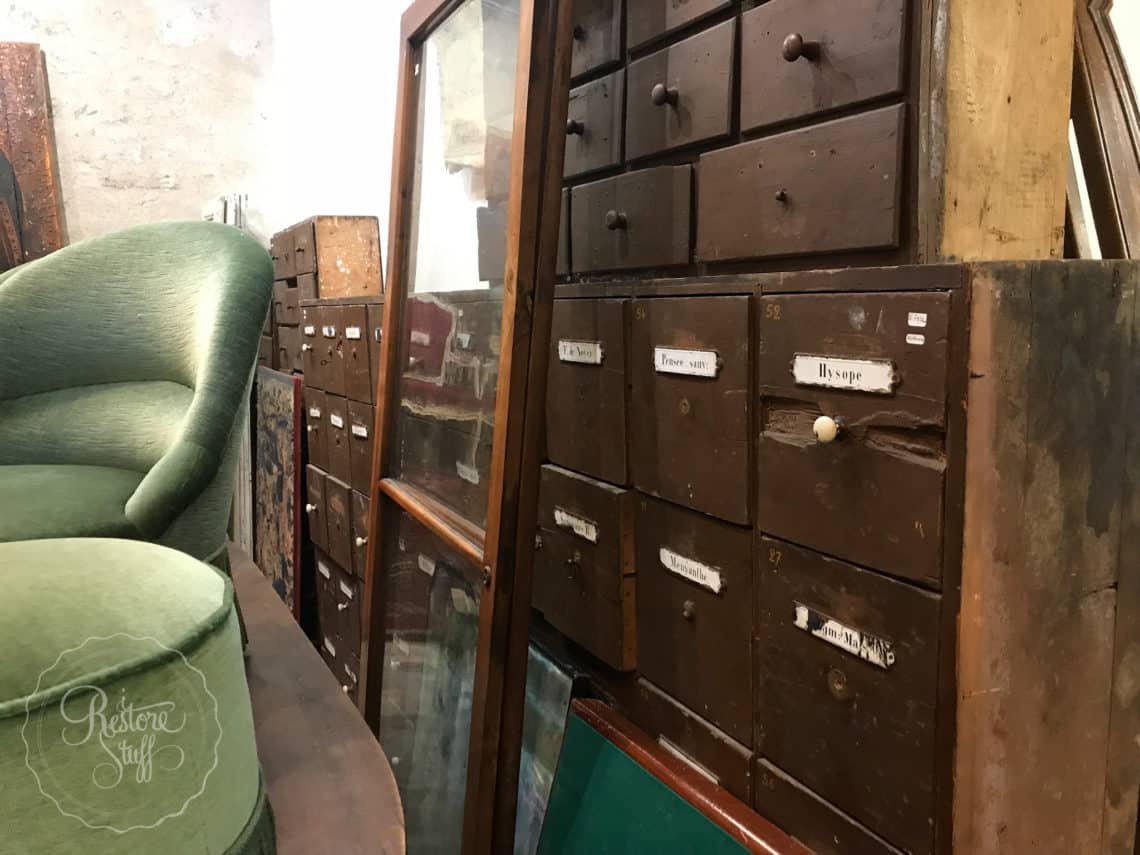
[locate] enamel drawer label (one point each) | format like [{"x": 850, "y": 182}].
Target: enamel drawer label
[
  {"x": 694, "y": 363},
  {"x": 360, "y": 430},
  {"x": 323, "y": 569},
  {"x": 869, "y": 648},
  {"x": 314, "y": 412},
  {"x": 310, "y": 329},
  {"x": 583, "y": 352},
  {"x": 336, "y": 420},
  {"x": 581, "y": 527},
  {"x": 427, "y": 565},
  {"x": 857, "y": 375},
  {"x": 330, "y": 647},
  {"x": 694, "y": 571}
]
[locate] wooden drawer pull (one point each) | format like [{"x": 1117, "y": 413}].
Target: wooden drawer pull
[
  {"x": 574, "y": 127},
  {"x": 616, "y": 220},
  {"x": 360, "y": 541},
  {"x": 795, "y": 47},
  {"x": 311, "y": 509},
  {"x": 663, "y": 95}
]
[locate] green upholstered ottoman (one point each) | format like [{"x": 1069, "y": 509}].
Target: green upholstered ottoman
[{"x": 125, "y": 720}]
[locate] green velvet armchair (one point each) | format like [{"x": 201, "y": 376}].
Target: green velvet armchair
[{"x": 125, "y": 367}]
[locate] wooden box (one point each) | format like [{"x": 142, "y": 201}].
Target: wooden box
[{"x": 342, "y": 252}]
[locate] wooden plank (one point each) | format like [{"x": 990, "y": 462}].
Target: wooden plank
[
  {"x": 1050, "y": 368},
  {"x": 1006, "y": 114}
]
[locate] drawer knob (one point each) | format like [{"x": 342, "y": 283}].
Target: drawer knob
[
  {"x": 689, "y": 610},
  {"x": 827, "y": 429},
  {"x": 306, "y": 347},
  {"x": 344, "y": 689},
  {"x": 615, "y": 221},
  {"x": 340, "y": 607},
  {"x": 310, "y": 428},
  {"x": 310, "y": 509},
  {"x": 663, "y": 95},
  {"x": 360, "y": 541},
  {"x": 837, "y": 685},
  {"x": 574, "y": 127},
  {"x": 781, "y": 195},
  {"x": 795, "y": 47}
]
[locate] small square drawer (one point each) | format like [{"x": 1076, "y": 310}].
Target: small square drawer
[
  {"x": 847, "y": 683},
  {"x": 281, "y": 251},
  {"x": 687, "y": 736},
  {"x": 361, "y": 445},
  {"x": 311, "y": 343},
  {"x": 304, "y": 255},
  {"x": 594, "y": 125},
  {"x": 360, "y": 505},
  {"x": 288, "y": 348},
  {"x": 336, "y": 438},
  {"x": 286, "y": 303},
  {"x": 356, "y": 354},
  {"x": 584, "y": 579},
  {"x": 694, "y": 612},
  {"x": 597, "y": 35},
  {"x": 681, "y": 95},
  {"x": 651, "y": 19},
  {"x": 638, "y": 219},
  {"x": 691, "y": 411},
  {"x": 315, "y": 429},
  {"x": 869, "y": 372},
  {"x": 830, "y": 187},
  {"x": 587, "y": 392},
  {"x": 315, "y": 506},
  {"x": 375, "y": 316},
  {"x": 307, "y": 286},
  {"x": 338, "y": 519},
  {"x": 802, "y": 57},
  {"x": 330, "y": 348}
]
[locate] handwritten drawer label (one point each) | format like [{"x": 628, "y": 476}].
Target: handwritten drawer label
[
  {"x": 352, "y": 332},
  {"x": 360, "y": 430},
  {"x": 336, "y": 420},
  {"x": 877, "y": 651},
  {"x": 695, "y": 363},
  {"x": 832, "y": 372},
  {"x": 310, "y": 329},
  {"x": 581, "y": 527},
  {"x": 583, "y": 352},
  {"x": 314, "y": 412},
  {"x": 427, "y": 565},
  {"x": 915, "y": 338},
  {"x": 694, "y": 571},
  {"x": 916, "y": 319},
  {"x": 467, "y": 473},
  {"x": 323, "y": 569},
  {"x": 421, "y": 338}
]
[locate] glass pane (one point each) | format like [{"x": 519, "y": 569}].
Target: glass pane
[
  {"x": 1125, "y": 18},
  {"x": 457, "y": 255},
  {"x": 431, "y": 628}
]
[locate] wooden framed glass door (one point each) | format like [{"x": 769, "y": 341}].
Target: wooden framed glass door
[{"x": 473, "y": 239}]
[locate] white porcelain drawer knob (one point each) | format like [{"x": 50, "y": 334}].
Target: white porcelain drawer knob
[
  {"x": 310, "y": 508},
  {"x": 360, "y": 541},
  {"x": 826, "y": 429}
]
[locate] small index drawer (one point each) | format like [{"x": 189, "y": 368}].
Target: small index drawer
[
  {"x": 337, "y": 438},
  {"x": 311, "y": 341},
  {"x": 594, "y": 126},
  {"x": 315, "y": 431},
  {"x": 596, "y": 35},
  {"x": 315, "y": 506},
  {"x": 356, "y": 354},
  {"x": 648, "y": 19},
  {"x": 361, "y": 444}
]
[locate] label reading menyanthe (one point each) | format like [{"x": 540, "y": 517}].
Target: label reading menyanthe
[
  {"x": 869, "y": 648},
  {"x": 694, "y": 571},
  {"x": 581, "y": 527},
  {"x": 583, "y": 352},
  {"x": 859, "y": 375},
  {"x": 694, "y": 363}
]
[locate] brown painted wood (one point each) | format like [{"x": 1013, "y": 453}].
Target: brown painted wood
[
  {"x": 926, "y": 277},
  {"x": 330, "y": 348},
  {"x": 338, "y": 519},
  {"x": 315, "y": 506},
  {"x": 286, "y": 305},
  {"x": 587, "y": 404},
  {"x": 857, "y": 734},
  {"x": 328, "y": 624},
  {"x": 288, "y": 349},
  {"x": 655, "y": 230},
  {"x": 360, "y": 442},
  {"x": 375, "y": 316},
  {"x": 854, "y": 53},
  {"x": 311, "y": 339},
  {"x": 355, "y": 354},
  {"x": 304, "y": 258},
  {"x": 594, "y": 125},
  {"x": 830, "y": 187},
  {"x": 315, "y": 431},
  {"x": 440, "y": 520},
  {"x": 694, "y": 643},
  {"x": 281, "y": 251},
  {"x": 307, "y": 286},
  {"x": 650, "y": 19},
  {"x": 562, "y": 264},
  {"x": 596, "y": 31},
  {"x": 691, "y": 435},
  {"x": 347, "y": 251},
  {"x": 337, "y": 438},
  {"x": 697, "y": 74},
  {"x": 360, "y": 533}
]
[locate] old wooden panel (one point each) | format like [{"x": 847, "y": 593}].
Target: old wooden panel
[
  {"x": 288, "y": 349},
  {"x": 304, "y": 258},
  {"x": 587, "y": 390},
  {"x": 639, "y": 219},
  {"x": 281, "y": 251},
  {"x": 356, "y": 354},
  {"x": 694, "y": 612},
  {"x": 846, "y": 687},
  {"x": 337, "y": 438},
  {"x": 648, "y": 19},
  {"x": 802, "y": 57},
  {"x": 315, "y": 506},
  {"x": 597, "y": 35},
  {"x": 348, "y": 624},
  {"x": 691, "y": 425},
  {"x": 338, "y": 518},
  {"x": 348, "y": 256},
  {"x": 1052, "y": 365},
  {"x": 361, "y": 444},
  {"x": 31, "y": 207},
  {"x": 491, "y": 233},
  {"x": 307, "y": 286},
  {"x": 265, "y": 351},
  {"x": 330, "y": 348},
  {"x": 359, "y": 534},
  {"x": 315, "y": 430},
  {"x": 594, "y": 125},
  {"x": 682, "y": 94},
  {"x": 825, "y": 188},
  {"x": 562, "y": 263},
  {"x": 328, "y": 623},
  {"x": 286, "y": 303}
]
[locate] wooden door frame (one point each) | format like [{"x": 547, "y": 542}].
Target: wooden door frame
[{"x": 505, "y": 552}]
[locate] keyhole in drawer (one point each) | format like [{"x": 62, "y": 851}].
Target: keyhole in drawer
[
  {"x": 685, "y": 407},
  {"x": 837, "y": 685}
]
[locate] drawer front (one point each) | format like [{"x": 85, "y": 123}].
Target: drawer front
[
  {"x": 281, "y": 251},
  {"x": 683, "y": 94},
  {"x": 687, "y": 736},
  {"x": 847, "y": 673},
  {"x": 288, "y": 348},
  {"x": 311, "y": 344},
  {"x": 315, "y": 506},
  {"x": 338, "y": 518},
  {"x": 834, "y": 186},
  {"x": 650, "y": 19},
  {"x": 315, "y": 430},
  {"x": 694, "y": 612},
  {"x": 375, "y": 335},
  {"x": 348, "y": 614},
  {"x": 593, "y": 125},
  {"x": 639, "y": 219},
  {"x": 690, "y": 411},
  {"x": 330, "y": 348},
  {"x": 359, "y": 534},
  {"x": 337, "y": 438},
  {"x": 802, "y": 57},
  {"x": 355, "y": 354},
  {"x": 327, "y": 615},
  {"x": 562, "y": 264},
  {"x": 360, "y": 423},
  {"x": 307, "y": 286},
  {"x": 587, "y": 388},
  {"x": 286, "y": 305},
  {"x": 597, "y": 35},
  {"x": 304, "y": 257}
]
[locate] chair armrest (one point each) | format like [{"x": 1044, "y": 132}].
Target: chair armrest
[{"x": 171, "y": 486}]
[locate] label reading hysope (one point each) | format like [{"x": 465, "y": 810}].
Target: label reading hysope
[{"x": 832, "y": 372}]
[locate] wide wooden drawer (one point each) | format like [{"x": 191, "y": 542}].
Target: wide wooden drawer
[
  {"x": 802, "y": 57},
  {"x": 584, "y": 579},
  {"x": 286, "y": 303},
  {"x": 355, "y": 354},
  {"x": 650, "y": 19},
  {"x": 597, "y": 35},
  {"x": 693, "y": 740},
  {"x": 690, "y": 405},
  {"x": 847, "y": 683},
  {"x": 315, "y": 431},
  {"x": 639, "y": 219},
  {"x": 694, "y": 612},
  {"x": 681, "y": 95},
  {"x": 338, "y": 519},
  {"x": 593, "y": 125},
  {"x": 336, "y": 438},
  {"x": 360, "y": 505},
  {"x": 587, "y": 392},
  {"x": 834, "y": 186},
  {"x": 360, "y": 444},
  {"x": 315, "y": 506}
]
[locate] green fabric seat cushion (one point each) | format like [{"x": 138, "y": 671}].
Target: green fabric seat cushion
[
  {"x": 125, "y": 721},
  {"x": 65, "y": 501}
]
